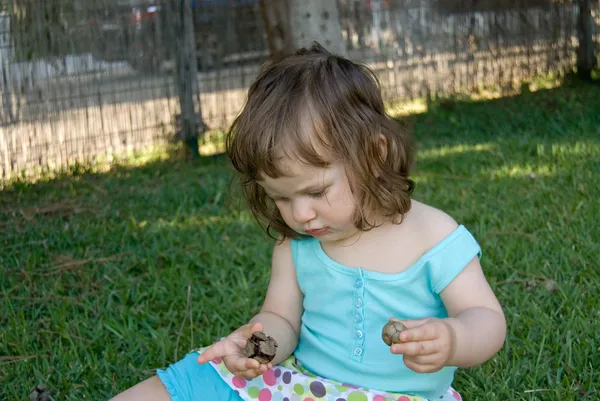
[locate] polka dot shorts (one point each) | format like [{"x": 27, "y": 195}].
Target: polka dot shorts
[{"x": 291, "y": 382}]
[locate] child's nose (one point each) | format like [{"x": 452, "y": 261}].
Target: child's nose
[{"x": 302, "y": 211}]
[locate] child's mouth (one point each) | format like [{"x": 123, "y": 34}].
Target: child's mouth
[{"x": 317, "y": 232}]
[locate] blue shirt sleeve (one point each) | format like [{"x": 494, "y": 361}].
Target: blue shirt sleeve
[{"x": 451, "y": 257}]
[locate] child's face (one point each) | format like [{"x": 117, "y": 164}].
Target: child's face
[{"x": 314, "y": 201}]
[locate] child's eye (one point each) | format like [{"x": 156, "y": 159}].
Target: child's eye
[{"x": 317, "y": 194}]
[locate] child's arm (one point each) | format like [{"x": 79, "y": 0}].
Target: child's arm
[
  {"x": 279, "y": 318},
  {"x": 474, "y": 331},
  {"x": 282, "y": 309},
  {"x": 476, "y": 317}
]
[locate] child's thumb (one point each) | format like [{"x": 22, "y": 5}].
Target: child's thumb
[
  {"x": 251, "y": 328},
  {"x": 410, "y": 324}
]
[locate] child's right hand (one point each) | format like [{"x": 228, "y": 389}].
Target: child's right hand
[{"x": 230, "y": 350}]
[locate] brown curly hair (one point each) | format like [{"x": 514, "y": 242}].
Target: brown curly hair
[{"x": 340, "y": 103}]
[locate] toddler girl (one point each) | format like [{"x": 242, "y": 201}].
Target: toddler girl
[{"x": 328, "y": 172}]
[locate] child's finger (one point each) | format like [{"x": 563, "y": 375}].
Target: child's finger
[
  {"x": 423, "y": 332},
  {"x": 237, "y": 363},
  {"x": 217, "y": 350},
  {"x": 421, "y": 368},
  {"x": 248, "y": 374},
  {"x": 240, "y": 342},
  {"x": 251, "y": 374},
  {"x": 432, "y": 359},
  {"x": 249, "y": 363},
  {"x": 255, "y": 372},
  {"x": 415, "y": 348},
  {"x": 248, "y": 329},
  {"x": 410, "y": 324}
]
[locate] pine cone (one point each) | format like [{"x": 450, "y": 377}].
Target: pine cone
[{"x": 261, "y": 347}]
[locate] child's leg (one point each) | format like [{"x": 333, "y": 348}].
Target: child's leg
[
  {"x": 185, "y": 380},
  {"x": 149, "y": 390}
]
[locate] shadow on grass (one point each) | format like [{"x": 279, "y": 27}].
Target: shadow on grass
[
  {"x": 452, "y": 131},
  {"x": 112, "y": 275}
]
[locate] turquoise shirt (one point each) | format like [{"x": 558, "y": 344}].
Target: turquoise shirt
[{"x": 346, "y": 308}]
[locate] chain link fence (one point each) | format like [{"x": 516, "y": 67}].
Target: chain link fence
[{"x": 81, "y": 81}]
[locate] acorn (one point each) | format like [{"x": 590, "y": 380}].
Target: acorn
[
  {"x": 260, "y": 347},
  {"x": 391, "y": 332}
]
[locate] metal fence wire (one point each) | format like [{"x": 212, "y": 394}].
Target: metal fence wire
[{"x": 87, "y": 80}]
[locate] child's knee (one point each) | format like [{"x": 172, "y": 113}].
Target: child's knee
[{"x": 150, "y": 389}]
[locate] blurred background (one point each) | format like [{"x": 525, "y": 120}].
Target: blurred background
[{"x": 95, "y": 79}]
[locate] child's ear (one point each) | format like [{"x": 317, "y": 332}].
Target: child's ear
[{"x": 382, "y": 150}]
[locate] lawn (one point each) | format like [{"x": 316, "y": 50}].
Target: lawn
[{"x": 107, "y": 276}]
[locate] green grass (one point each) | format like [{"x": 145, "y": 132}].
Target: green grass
[{"x": 107, "y": 276}]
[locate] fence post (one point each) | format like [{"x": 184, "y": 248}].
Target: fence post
[
  {"x": 586, "y": 59},
  {"x": 190, "y": 122}
]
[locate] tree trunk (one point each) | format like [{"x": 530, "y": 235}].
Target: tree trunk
[
  {"x": 586, "y": 59},
  {"x": 291, "y": 24},
  {"x": 276, "y": 17}
]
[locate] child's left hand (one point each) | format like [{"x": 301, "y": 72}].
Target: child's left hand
[{"x": 427, "y": 344}]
